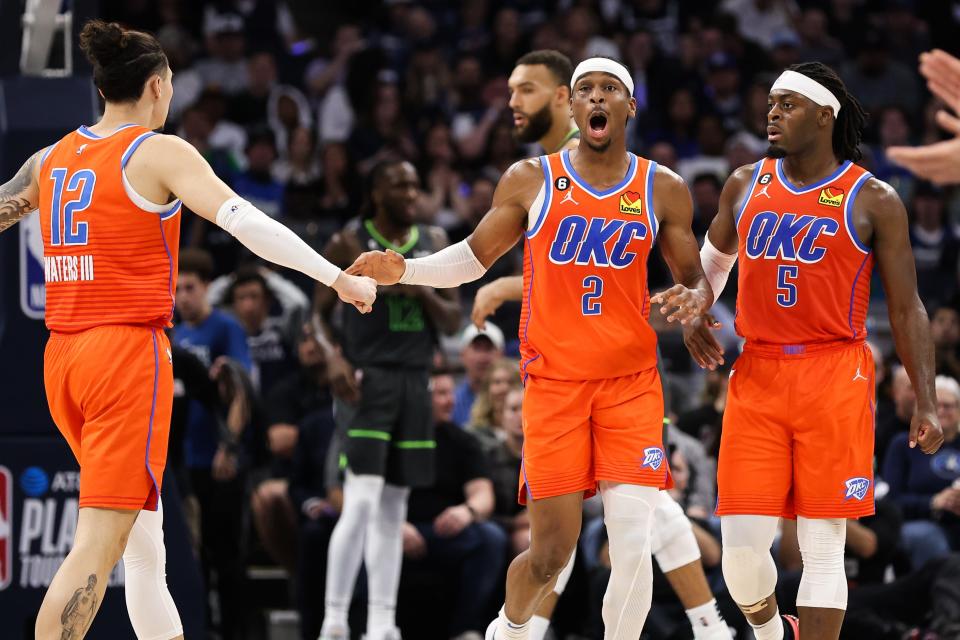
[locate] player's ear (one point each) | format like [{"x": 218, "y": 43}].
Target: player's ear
[{"x": 633, "y": 107}]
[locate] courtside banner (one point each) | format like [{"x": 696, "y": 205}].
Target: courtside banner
[{"x": 39, "y": 496}]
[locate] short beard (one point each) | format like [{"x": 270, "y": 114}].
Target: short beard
[
  {"x": 776, "y": 152},
  {"x": 538, "y": 125}
]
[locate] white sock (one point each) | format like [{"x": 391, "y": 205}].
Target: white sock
[
  {"x": 383, "y": 553},
  {"x": 772, "y": 629},
  {"x": 707, "y": 622},
  {"x": 538, "y": 627},
  {"x": 507, "y": 630},
  {"x": 361, "y": 499}
]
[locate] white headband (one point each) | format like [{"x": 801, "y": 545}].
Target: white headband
[
  {"x": 807, "y": 86},
  {"x": 604, "y": 65}
]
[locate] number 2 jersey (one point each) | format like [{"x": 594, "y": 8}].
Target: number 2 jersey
[
  {"x": 804, "y": 273},
  {"x": 110, "y": 255},
  {"x": 586, "y": 301}
]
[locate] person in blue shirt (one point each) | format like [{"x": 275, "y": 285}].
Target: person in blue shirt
[
  {"x": 480, "y": 348},
  {"x": 212, "y": 451},
  {"x": 927, "y": 488}
]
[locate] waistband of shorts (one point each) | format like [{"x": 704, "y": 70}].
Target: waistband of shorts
[
  {"x": 777, "y": 350},
  {"x": 70, "y": 334}
]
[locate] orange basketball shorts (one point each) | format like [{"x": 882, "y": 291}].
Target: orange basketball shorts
[
  {"x": 798, "y": 433},
  {"x": 578, "y": 433},
  {"x": 110, "y": 392}
]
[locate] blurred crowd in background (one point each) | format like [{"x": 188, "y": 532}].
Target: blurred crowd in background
[{"x": 293, "y": 104}]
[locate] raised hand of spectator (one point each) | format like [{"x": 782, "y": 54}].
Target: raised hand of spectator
[
  {"x": 282, "y": 439},
  {"x": 452, "y": 521},
  {"x": 343, "y": 378},
  {"x": 938, "y": 162},
  {"x": 947, "y": 500},
  {"x": 414, "y": 546},
  {"x": 224, "y": 465}
]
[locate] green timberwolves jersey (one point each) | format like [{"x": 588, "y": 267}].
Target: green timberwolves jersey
[{"x": 398, "y": 331}]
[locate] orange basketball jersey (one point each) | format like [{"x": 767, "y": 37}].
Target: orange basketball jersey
[
  {"x": 585, "y": 301},
  {"x": 804, "y": 273},
  {"x": 110, "y": 255}
]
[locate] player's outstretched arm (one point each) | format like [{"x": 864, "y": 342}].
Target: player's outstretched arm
[
  {"x": 490, "y": 296},
  {"x": 937, "y": 161},
  {"x": 468, "y": 259},
  {"x": 908, "y": 318},
  {"x": 692, "y": 296},
  {"x": 183, "y": 171},
  {"x": 21, "y": 194}
]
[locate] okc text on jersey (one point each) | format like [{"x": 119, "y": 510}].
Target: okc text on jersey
[{"x": 598, "y": 241}]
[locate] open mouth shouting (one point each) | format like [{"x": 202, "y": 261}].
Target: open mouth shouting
[{"x": 598, "y": 124}]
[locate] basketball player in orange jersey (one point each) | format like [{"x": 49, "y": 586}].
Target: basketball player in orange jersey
[
  {"x": 593, "y": 404},
  {"x": 540, "y": 99},
  {"x": 109, "y": 198},
  {"x": 807, "y": 226}
]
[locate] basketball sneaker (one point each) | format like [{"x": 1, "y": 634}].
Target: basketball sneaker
[{"x": 791, "y": 628}]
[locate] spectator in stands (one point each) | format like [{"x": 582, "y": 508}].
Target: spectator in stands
[
  {"x": 898, "y": 421},
  {"x": 486, "y": 415},
  {"x": 302, "y": 403},
  {"x": 705, "y": 188},
  {"x": 877, "y": 80},
  {"x": 249, "y": 106},
  {"x": 722, "y": 89},
  {"x": 325, "y": 82},
  {"x": 945, "y": 331},
  {"x": 680, "y": 124},
  {"x": 479, "y": 349},
  {"x": 505, "y": 461},
  {"x": 699, "y": 492},
  {"x": 225, "y": 68},
  {"x": 300, "y": 174},
  {"x": 287, "y": 111},
  {"x": 442, "y": 198},
  {"x": 214, "y": 453},
  {"x": 935, "y": 245},
  {"x": 270, "y": 340},
  {"x": 382, "y": 131},
  {"x": 448, "y": 528},
  {"x": 340, "y": 187},
  {"x": 299, "y": 403},
  {"x": 893, "y": 128},
  {"x": 816, "y": 42},
  {"x": 704, "y": 421},
  {"x": 760, "y": 20},
  {"x": 924, "y": 486},
  {"x": 256, "y": 184}
]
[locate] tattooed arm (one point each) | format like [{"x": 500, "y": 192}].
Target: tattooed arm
[{"x": 21, "y": 194}]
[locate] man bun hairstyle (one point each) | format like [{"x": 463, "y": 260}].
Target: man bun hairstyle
[
  {"x": 850, "y": 122},
  {"x": 122, "y": 59}
]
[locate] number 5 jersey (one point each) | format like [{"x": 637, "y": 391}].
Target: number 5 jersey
[{"x": 804, "y": 273}]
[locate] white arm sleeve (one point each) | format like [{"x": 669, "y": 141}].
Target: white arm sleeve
[
  {"x": 449, "y": 267},
  {"x": 273, "y": 241},
  {"x": 716, "y": 266}
]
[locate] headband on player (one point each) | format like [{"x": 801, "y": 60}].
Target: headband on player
[
  {"x": 604, "y": 65},
  {"x": 807, "y": 86}
]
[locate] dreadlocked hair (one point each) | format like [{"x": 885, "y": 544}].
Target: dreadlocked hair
[{"x": 852, "y": 119}]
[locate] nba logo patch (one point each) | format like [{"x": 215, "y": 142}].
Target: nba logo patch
[
  {"x": 831, "y": 196},
  {"x": 33, "y": 290},
  {"x": 652, "y": 457},
  {"x": 857, "y": 488},
  {"x": 6, "y": 528},
  {"x": 630, "y": 203}
]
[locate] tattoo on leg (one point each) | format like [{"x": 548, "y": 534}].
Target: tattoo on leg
[{"x": 78, "y": 614}]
